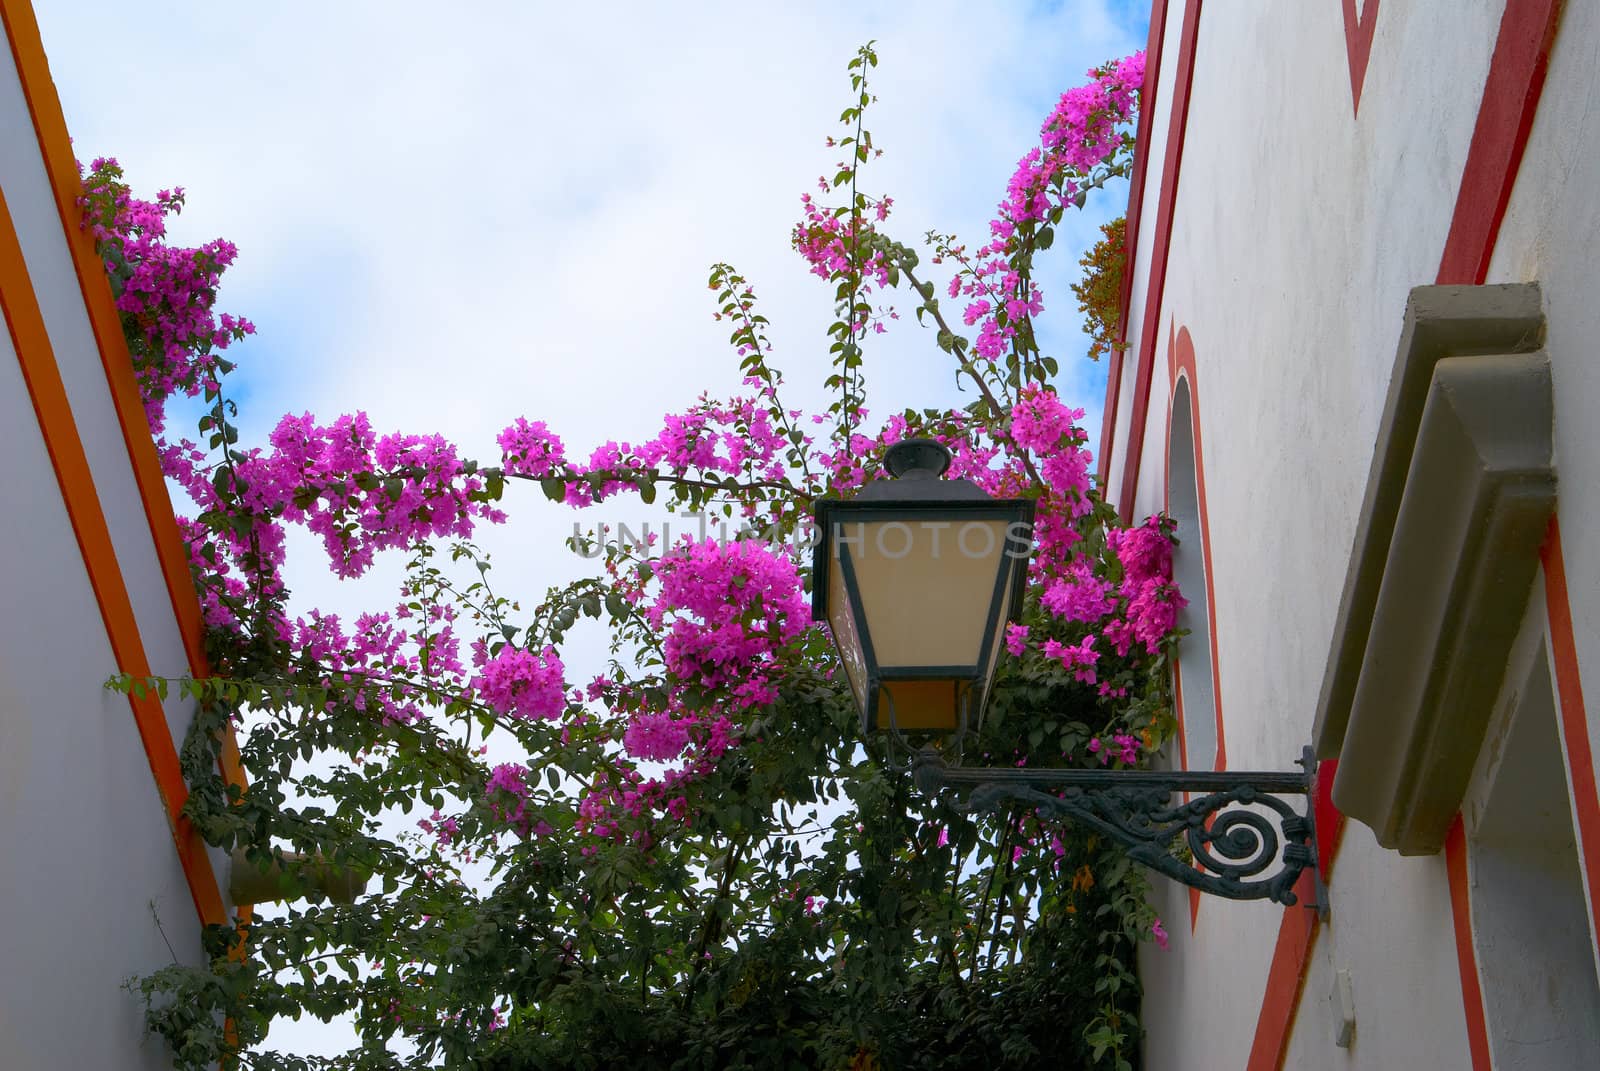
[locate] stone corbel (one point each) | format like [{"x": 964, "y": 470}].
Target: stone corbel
[{"x": 1458, "y": 500}]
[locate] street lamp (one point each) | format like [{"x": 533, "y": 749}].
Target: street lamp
[{"x": 917, "y": 577}]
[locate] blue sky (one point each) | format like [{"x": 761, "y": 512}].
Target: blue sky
[
  {"x": 449, "y": 223},
  {"x": 453, "y": 220},
  {"x": 454, "y": 223}
]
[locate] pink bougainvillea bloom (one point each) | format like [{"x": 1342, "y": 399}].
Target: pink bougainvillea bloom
[
  {"x": 528, "y": 448},
  {"x": 522, "y": 684},
  {"x": 1017, "y": 639},
  {"x": 1159, "y": 932},
  {"x": 656, "y": 736}
]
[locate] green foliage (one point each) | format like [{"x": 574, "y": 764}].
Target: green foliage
[
  {"x": 805, "y": 908},
  {"x": 1099, "y": 292}
]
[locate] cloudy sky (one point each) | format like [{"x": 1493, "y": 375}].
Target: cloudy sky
[{"x": 452, "y": 215}]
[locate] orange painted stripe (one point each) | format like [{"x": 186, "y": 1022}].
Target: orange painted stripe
[
  {"x": 56, "y": 149},
  {"x": 37, "y": 360},
  {"x": 1455, "y": 857},
  {"x": 1574, "y": 719}
]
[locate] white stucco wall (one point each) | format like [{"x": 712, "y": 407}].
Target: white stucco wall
[
  {"x": 1299, "y": 229},
  {"x": 55, "y": 283},
  {"x": 90, "y": 861},
  {"x": 1551, "y": 234}
]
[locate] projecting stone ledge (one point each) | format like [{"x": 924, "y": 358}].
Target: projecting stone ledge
[{"x": 1459, "y": 497}]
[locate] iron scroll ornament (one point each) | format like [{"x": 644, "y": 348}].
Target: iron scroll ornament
[{"x": 1237, "y": 851}]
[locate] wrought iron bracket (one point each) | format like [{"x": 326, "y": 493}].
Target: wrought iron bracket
[{"x": 1237, "y": 840}]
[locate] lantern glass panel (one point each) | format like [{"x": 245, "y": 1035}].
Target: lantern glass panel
[
  {"x": 929, "y": 705},
  {"x": 926, "y": 588},
  {"x": 845, "y": 636}
]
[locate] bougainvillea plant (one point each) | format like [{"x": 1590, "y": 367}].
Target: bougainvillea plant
[{"x": 690, "y": 858}]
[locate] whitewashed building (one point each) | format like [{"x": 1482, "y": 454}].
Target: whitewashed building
[
  {"x": 102, "y": 879},
  {"x": 1363, "y": 355}
]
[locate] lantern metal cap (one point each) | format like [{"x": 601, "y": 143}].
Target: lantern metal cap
[
  {"x": 917, "y": 459},
  {"x": 917, "y": 467}
]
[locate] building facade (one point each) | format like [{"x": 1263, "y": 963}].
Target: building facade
[
  {"x": 1361, "y": 322},
  {"x": 104, "y": 880}
]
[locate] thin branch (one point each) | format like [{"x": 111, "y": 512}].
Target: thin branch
[{"x": 970, "y": 370}]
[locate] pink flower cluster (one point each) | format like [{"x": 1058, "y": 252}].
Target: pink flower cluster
[
  {"x": 165, "y": 291},
  {"x": 1079, "y": 134},
  {"x": 657, "y": 736},
  {"x": 1124, "y": 748},
  {"x": 519, "y": 683},
  {"x": 379, "y": 652},
  {"x": 1016, "y": 639},
  {"x": 1079, "y": 657},
  {"x": 1151, "y": 598},
  {"x": 710, "y": 440},
  {"x": 1083, "y": 131},
  {"x": 528, "y": 448},
  {"x": 1079, "y": 595},
  {"x": 510, "y": 799},
  {"x": 731, "y": 439},
  {"x": 727, "y": 609},
  {"x": 1044, "y": 426},
  {"x": 363, "y": 493},
  {"x": 625, "y": 808},
  {"x": 826, "y": 238},
  {"x": 1141, "y": 609}
]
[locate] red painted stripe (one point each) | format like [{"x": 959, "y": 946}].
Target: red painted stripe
[
  {"x": 1455, "y": 856},
  {"x": 1511, "y": 93},
  {"x": 1158, "y": 253},
  {"x": 1181, "y": 364},
  {"x": 1141, "y": 161},
  {"x": 1358, "y": 45},
  {"x": 1574, "y": 719},
  {"x": 1284, "y": 979},
  {"x": 1286, "y": 974},
  {"x": 1510, "y": 99}
]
